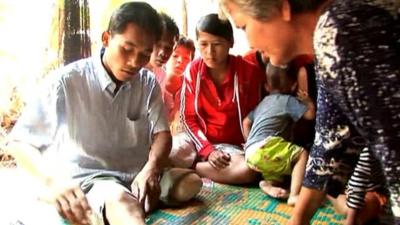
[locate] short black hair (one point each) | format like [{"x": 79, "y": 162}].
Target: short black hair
[
  {"x": 139, "y": 13},
  {"x": 281, "y": 79},
  {"x": 186, "y": 43},
  {"x": 170, "y": 26},
  {"x": 213, "y": 25}
]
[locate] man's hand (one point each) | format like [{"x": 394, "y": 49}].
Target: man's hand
[
  {"x": 147, "y": 185},
  {"x": 66, "y": 195},
  {"x": 219, "y": 160},
  {"x": 70, "y": 201}
]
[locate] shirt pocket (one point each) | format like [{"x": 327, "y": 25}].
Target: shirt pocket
[{"x": 138, "y": 130}]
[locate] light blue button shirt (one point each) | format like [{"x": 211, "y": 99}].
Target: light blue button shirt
[{"x": 79, "y": 122}]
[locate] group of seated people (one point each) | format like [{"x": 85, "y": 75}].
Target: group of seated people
[
  {"x": 260, "y": 133},
  {"x": 135, "y": 137}
]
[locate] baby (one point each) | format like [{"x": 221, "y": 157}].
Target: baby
[{"x": 267, "y": 130}]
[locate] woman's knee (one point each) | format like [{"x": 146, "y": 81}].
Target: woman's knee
[
  {"x": 183, "y": 152},
  {"x": 241, "y": 171},
  {"x": 248, "y": 175}
]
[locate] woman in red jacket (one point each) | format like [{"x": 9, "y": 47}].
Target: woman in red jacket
[{"x": 218, "y": 91}]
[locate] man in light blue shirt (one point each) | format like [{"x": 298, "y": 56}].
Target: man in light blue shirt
[{"x": 103, "y": 121}]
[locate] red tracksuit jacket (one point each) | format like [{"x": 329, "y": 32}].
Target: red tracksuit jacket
[{"x": 212, "y": 116}]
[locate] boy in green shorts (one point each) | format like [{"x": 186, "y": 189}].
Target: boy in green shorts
[{"x": 267, "y": 131}]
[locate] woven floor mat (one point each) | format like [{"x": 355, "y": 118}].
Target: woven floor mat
[{"x": 225, "y": 204}]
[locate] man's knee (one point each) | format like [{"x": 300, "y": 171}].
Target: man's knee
[
  {"x": 121, "y": 206},
  {"x": 179, "y": 185},
  {"x": 123, "y": 199}
]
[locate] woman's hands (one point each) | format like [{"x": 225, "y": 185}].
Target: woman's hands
[{"x": 219, "y": 160}]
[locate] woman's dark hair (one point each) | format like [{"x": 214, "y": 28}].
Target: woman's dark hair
[
  {"x": 213, "y": 25},
  {"x": 138, "y": 13},
  {"x": 186, "y": 43}
]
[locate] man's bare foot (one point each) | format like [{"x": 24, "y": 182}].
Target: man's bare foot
[
  {"x": 292, "y": 200},
  {"x": 275, "y": 192}
]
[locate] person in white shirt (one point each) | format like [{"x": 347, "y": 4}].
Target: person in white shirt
[{"x": 101, "y": 123}]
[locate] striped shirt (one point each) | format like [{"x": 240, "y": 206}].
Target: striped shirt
[{"x": 367, "y": 176}]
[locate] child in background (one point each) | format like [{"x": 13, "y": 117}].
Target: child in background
[
  {"x": 366, "y": 195},
  {"x": 163, "y": 49},
  {"x": 182, "y": 55},
  {"x": 267, "y": 131}
]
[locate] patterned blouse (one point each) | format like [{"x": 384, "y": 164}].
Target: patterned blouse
[{"x": 357, "y": 47}]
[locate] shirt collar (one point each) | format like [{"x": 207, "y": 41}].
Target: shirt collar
[
  {"x": 106, "y": 83},
  {"x": 102, "y": 74}
]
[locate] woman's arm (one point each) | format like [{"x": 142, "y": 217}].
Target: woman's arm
[
  {"x": 189, "y": 117},
  {"x": 307, "y": 204}
]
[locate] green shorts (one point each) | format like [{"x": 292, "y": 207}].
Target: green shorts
[{"x": 273, "y": 157}]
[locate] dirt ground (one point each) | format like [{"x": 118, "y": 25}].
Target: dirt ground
[
  {"x": 7, "y": 120},
  {"x": 6, "y": 161}
]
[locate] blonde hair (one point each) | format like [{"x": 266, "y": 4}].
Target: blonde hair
[{"x": 265, "y": 9}]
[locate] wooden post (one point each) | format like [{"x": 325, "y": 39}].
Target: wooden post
[
  {"x": 77, "y": 30},
  {"x": 184, "y": 18}
]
